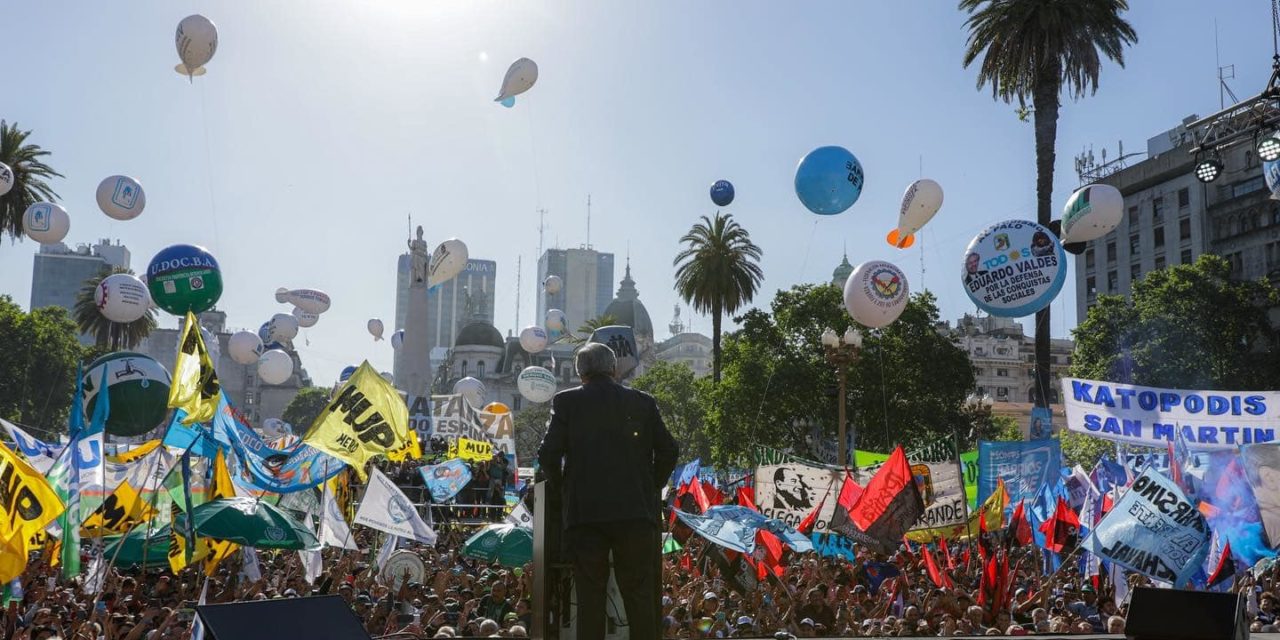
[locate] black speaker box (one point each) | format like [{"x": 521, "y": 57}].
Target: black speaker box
[
  {"x": 315, "y": 618},
  {"x": 1172, "y": 614}
]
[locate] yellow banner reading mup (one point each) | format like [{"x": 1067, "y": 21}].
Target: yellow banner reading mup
[
  {"x": 366, "y": 418},
  {"x": 471, "y": 450},
  {"x": 412, "y": 449}
]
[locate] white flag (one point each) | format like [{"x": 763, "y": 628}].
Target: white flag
[
  {"x": 388, "y": 548},
  {"x": 385, "y": 508},
  {"x": 520, "y": 517},
  {"x": 334, "y": 531},
  {"x": 250, "y": 569},
  {"x": 312, "y": 562}
]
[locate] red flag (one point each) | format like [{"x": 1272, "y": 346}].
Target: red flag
[
  {"x": 1020, "y": 526},
  {"x": 700, "y": 496},
  {"x": 1226, "y": 567},
  {"x": 984, "y": 546},
  {"x": 987, "y": 583},
  {"x": 939, "y": 578},
  {"x": 747, "y": 498},
  {"x": 966, "y": 557},
  {"x": 889, "y": 504},
  {"x": 686, "y": 562},
  {"x": 1061, "y": 528},
  {"x": 714, "y": 496},
  {"x": 906, "y": 550},
  {"x": 942, "y": 548}
]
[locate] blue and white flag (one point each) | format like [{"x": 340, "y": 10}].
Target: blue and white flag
[
  {"x": 446, "y": 479},
  {"x": 682, "y": 475},
  {"x": 734, "y": 527},
  {"x": 1153, "y": 529},
  {"x": 1025, "y": 467},
  {"x": 299, "y": 467}
]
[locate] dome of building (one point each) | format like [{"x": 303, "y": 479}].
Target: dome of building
[
  {"x": 481, "y": 333},
  {"x": 627, "y": 308},
  {"x": 841, "y": 274}
]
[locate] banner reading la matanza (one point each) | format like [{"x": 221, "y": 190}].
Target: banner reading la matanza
[{"x": 1149, "y": 416}]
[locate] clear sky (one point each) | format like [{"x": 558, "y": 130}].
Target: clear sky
[{"x": 323, "y": 124}]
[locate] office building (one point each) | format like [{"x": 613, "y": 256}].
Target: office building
[
  {"x": 59, "y": 272},
  {"x": 587, "y": 284}
]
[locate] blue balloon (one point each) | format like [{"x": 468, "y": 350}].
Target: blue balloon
[
  {"x": 346, "y": 373},
  {"x": 829, "y": 180},
  {"x": 722, "y": 193},
  {"x": 508, "y": 102}
]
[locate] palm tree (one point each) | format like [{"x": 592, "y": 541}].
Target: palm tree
[
  {"x": 29, "y": 175},
  {"x": 589, "y": 327},
  {"x": 1035, "y": 49},
  {"x": 114, "y": 336},
  {"x": 717, "y": 272}
]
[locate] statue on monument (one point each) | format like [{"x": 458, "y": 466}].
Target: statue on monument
[{"x": 419, "y": 258}]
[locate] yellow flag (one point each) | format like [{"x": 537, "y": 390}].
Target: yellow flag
[
  {"x": 27, "y": 502},
  {"x": 221, "y": 488},
  {"x": 992, "y": 509},
  {"x": 13, "y": 557},
  {"x": 118, "y": 513},
  {"x": 195, "y": 386},
  {"x": 412, "y": 449},
  {"x": 178, "y": 543},
  {"x": 366, "y": 418},
  {"x": 135, "y": 453},
  {"x": 471, "y": 450},
  {"x": 340, "y": 487}
]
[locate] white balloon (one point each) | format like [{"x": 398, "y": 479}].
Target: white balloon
[
  {"x": 520, "y": 78},
  {"x": 276, "y": 428},
  {"x": 46, "y": 222},
  {"x": 375, "y": 328},
  {"x": 553, "y": 284},
  {"x": 555, "y": 320},
  {"x": 309, "y": 300},
  {"x": 533, "y": 339},
  {"x": 122, "y": 297},
  {"x": 283, "y": 326},
  {"x": 876, "y": 293},
  {"x": 389, "y": 377},
  {"x": 471, "y": 389},
  {"x": 1092, "y": 212},
  {"x": 920, "y": 203},
  {"x": 397, "y": 340},
  {"x": 197, "y": 40},
  {"x": 536, "y": 384},
  {"x": 245, "y": 347},
  {"x": 121, "y": 197},
  {"x": 275, "y": 366},
  {"x": 305, "y": 318},
  {"x": 6, "y": 178},
  {"x": 447, "y": 261}
]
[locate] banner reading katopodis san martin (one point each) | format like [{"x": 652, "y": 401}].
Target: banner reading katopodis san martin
[{"x": 1148, "y": 416}]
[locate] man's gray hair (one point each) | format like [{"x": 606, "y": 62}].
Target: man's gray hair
[{"x": 594, "y": 360}]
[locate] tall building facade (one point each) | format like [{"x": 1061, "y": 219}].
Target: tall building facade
[
  {"x": 59, "y": 272},
  {"x": 447, "y": 304},
  {"x": 587, "y": 290}
]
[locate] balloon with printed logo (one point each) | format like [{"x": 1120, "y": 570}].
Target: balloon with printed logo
[
  {"x": 1091, "y": 212},
  {"x": 306, "y": 319},
  {"x": 245, "y": 347},
  {"x": 920, "y": 203},
  {"x": 621, "y": 340},
  {"x": 121, "y": 197},
  {"x": 346, "y": 373},
  {"x": 829, "y": 180},
  {"x": 876, "y": 293},
  {"x": 497, "y": 407},
  {"x": 197, "y": 41},
  {"x": 138, "y": 388},
  {"x": 309, "y": 300},
  {"x": 1013, "y": 268},
  {"x": 375, "y": 328},
  {"x": 471, "y": 389},
  {"x": 447, "y": 261},
  {"x": 520, "y": 78},
  {"x": 553, "y": 284},
  {"x": 536, "y": 384},
  {"x": 122, "y": 297},
  {"x": 6, "y": 178},
  {"x": 275, "y": 367},
  {"x": 533, "y": 339},
  {"x": 183, "y": 278},
  {"x": 269, "y": 341},
  {"x": 283, "y": 327},
  {"x": 46, "y": 222},
  {"x": 722, "y": 193},
  {"x": 555, "y": 320},
  {"x": 397, "y": 340}
]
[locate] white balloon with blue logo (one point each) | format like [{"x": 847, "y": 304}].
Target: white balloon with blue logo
[
  {"x": 533, "y": 339},
  {"x": 6, "y": 178},
  {"x": 121, "y": 197},
  {"x": 1013, "y": 268}
]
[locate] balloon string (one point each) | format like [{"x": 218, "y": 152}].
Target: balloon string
[{"x": 208, "y": 170}]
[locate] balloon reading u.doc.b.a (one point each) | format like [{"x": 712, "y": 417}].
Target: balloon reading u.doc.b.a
[{"x": 1013, "y": 269}]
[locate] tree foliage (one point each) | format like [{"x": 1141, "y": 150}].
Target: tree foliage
[
  {"x": 679, "y": 395},
  {"x": 531, "y": 426},
  {"x": 39, "y": 356},
  {"x": 30, "y": 175},
  {"x": 1083, "y": 449},
  {"x": 304, "y": 408}
]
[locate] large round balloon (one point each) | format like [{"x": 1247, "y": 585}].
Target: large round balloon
[
  {"x": 275, "y": 366},
  {"x": 388, "y": 376},
  {"x": 6, "y": 178},
  {"x": 876, "y": 293},
  {"x": 397, "y": 340},
  {"x": 536, "y": 384},
  {"x": 309, "y": 300},
  {"x": 829, "y": 180},
  {"x": 306, "y": 319},
  {"x": 122, "y": 297},
  {"x": 375, "y": 328},
  {"x": 1013, "y": 268},
  {"x": 245, "y": 347},
  {"x": 722, "y": 193},
  {"x": 1092, "y": 212},
  {"x": 138, "y": 389},
  {"x": 46, "y": 222},
  {"x": 553, "y": 284},
  {"x": 520, "y": 78},
  {"x": 184, "y": 278},
  {"x": 497, "y": 407},
  {"x": 197, "y": 40},
  {"x": 121, "y": 197},
  {"x": 555, "y": 320},
  {"x": 283, "y": 326},
  {"x": 269, "y": 339},
  {"x": 447, "y": 261},
  {"x": 346, "y": 373},
  {"x": 921, "y": 201},
  {"x": 533, "y": 339},
  {"x": 471, "y": 389}
]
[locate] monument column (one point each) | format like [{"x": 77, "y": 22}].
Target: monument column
[{"x": 415, "y": 353}]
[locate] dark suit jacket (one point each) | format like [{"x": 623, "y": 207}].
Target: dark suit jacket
[{"x": 617, "y": 453}]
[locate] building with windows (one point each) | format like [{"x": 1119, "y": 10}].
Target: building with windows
[
  {"x": 59, "y": 272},
  {"x": 1004, "y": 358},
  {"x": 587, "y": 277},
  {"x": 686, "y": 347}
]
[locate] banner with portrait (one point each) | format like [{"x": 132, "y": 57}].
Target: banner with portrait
[{"x": 1023, "y": 466}]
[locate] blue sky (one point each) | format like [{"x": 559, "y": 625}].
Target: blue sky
[{"x": 322, "y": 125}]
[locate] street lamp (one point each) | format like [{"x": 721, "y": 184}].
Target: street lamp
[{"x": 842, "y": 351}]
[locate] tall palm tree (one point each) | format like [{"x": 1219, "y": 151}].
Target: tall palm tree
[
  {"x": 717, "y": 272},
  {"x": 29, "y": 178},
  {"x": 114, "y": 336},
  {"x": 1035, "y": 49}
]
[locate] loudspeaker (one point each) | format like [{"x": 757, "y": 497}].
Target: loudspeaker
[
  {"x": 314, "y": 618},
  {"x": 1173, "y": 614}
]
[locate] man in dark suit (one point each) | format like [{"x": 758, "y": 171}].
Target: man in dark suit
[{"x": 617, "y": 455}]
